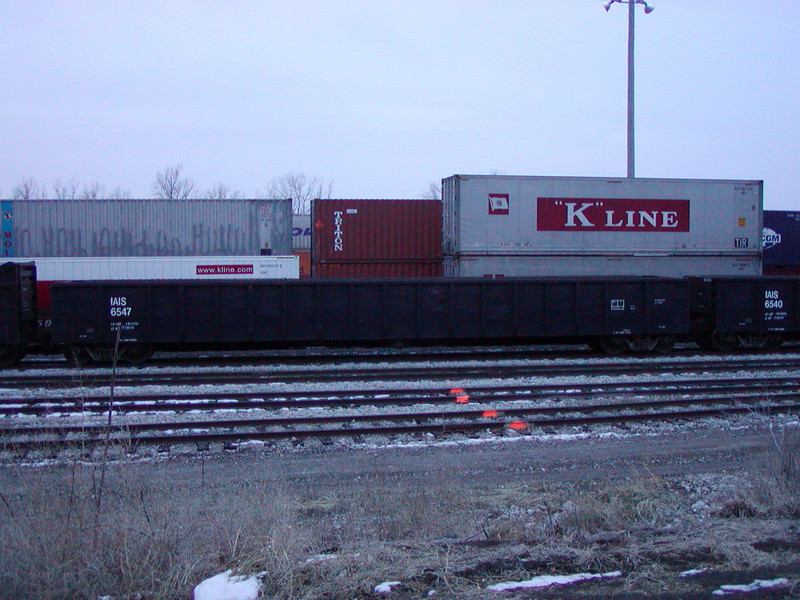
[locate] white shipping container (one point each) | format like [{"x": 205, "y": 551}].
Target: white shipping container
[
  {"x": 505, "y": 226},
  {"x": 171, "y": 267}
]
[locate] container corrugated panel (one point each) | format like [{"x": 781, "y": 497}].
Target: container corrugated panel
[
  {"x": 149, "y": 227},
  {"x": 301, "y": 233},
  {"x": 578, "y": 218},
  {"x": 782, "y": 271},
  {"x": 376, "y": 238},
  {"x": 600, "y": 266},
  {"x": 372, "y": 269},
  {"x": 781, "y": 241},
  {"x": 304, "y": 257}
]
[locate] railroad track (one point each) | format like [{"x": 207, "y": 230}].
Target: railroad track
[
  {"x": 358, "y": 414},
  {"x": 162, "y": 402},
  {"x": 324, "y": 356},
  {"x": 434, "y": 369}
]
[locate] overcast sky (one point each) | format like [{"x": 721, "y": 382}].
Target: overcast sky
[{"x": 384, "y": 98}]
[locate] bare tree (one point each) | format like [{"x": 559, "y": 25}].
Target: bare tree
[
  {"x": 171, "y": 185},
  {"x": 93, "y": 191},
  {"x": 29, "y": 189},
  {"x": 434, "y": 192},
  {"x": 119, "y": 194},
  {"x": 301, "y": 188},
  {"x": 65, "y": 191},
  {"x": 222, "y": 191}
]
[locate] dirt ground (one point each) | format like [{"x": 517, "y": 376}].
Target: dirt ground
[{"x": 449, "y": 520}]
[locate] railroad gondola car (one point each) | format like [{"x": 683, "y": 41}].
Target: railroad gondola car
[
  {"x": 97, "y": 320},
  {"x": 745, "y": 312},
  {"x": 92, "y": 318}
]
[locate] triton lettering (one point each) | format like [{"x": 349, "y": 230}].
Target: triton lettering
[{"x": 337, "y": 231}]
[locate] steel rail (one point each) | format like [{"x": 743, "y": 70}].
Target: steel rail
[
  {"x": 228, "y": 430},
  {"x": 179, "y": 402},
  {"x": 430, "y": 371}
]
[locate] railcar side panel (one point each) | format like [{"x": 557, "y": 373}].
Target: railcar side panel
[
  {"x": 757, "y": 305},
  {"x": 183, "y": 313},
  {"x": 17, "y": 303}
]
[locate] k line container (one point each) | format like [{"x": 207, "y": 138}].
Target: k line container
[
  {"x": 149, "y": 227},
  {"x": 376, "y": 238},
  {"x": 165, "y": 267},
  {"x": 589, "y": 226},
  {"x": 781, "y": 242}
]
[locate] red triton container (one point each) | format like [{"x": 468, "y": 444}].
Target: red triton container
[{"x": 376, "y": 238}]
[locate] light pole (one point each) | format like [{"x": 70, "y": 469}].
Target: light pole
[{"x": 648, "y": 8}]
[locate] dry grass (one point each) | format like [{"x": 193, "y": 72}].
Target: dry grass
[
  {"x": 773, "y": 490},
  {"x": 63, "y": 538}
]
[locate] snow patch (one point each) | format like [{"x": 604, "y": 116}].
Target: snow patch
[
  {"x": 548, "y": 580},
  {"x": 386, "y": 587},
  {"x": 758, "y": 584},
  {"x": 227, "y": 586}
]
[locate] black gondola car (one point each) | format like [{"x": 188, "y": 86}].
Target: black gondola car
[
  {"x": 17, "y": 310},
  {"x": 613, "y": 314},
  {"x": 745, "y": 312}
]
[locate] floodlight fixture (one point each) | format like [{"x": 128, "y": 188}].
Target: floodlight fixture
[{"x": 648, "y": 6}]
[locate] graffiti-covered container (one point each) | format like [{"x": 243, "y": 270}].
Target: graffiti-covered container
[{"x": 148, "y": 227}]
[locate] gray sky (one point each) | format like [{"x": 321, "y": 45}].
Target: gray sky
[{"x": 384, "y": 98}]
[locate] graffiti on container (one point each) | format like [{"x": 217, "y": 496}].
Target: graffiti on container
[
  {"x": 225, "y": 239},
  {"x": 201, "y": 241}
]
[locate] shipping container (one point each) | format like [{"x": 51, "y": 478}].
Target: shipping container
[
  {"x": 165, "y": 267},
  {"x": 301, "y": 233},
  {"x": 650, "y": 313},
  {"x": 149, "y": 227},
  {"x": 575, "y": 226},
  {"x": 304, "y": 256},
  {"x": 301, "y": 242},
  {"x": 17, "y": 310},
  {"x": 50, "y": 270},
  {"x": 781, "y": 242},
  {"x": 376, "y": 238}
]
